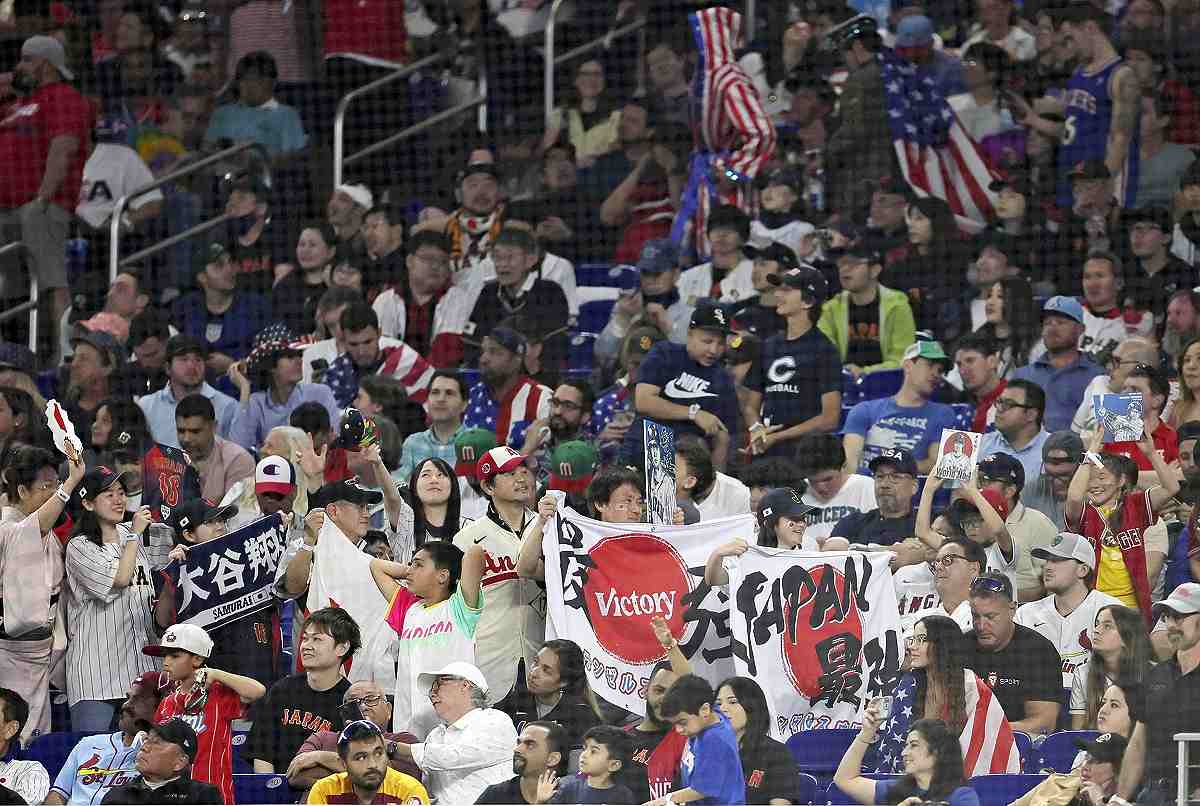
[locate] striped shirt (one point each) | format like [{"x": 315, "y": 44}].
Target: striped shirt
[
  {"x": 28, "y": 779},
  {"x": 107, "y": 627},
  {"x": 400, "y": 362},
  {"x": 508, "y": 418},
  {"x": 96, "y": 765}
]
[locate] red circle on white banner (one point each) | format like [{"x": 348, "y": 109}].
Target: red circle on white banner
[{"x": 800, "y": 657}]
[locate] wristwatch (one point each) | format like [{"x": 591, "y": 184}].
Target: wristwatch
[
  {"x": 391, "y": 749},
  {"x": 693, "y": 410}
]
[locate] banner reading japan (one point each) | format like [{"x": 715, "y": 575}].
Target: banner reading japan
[
  {"x": 606, "y": 581},
  {"x": 820, "y": 632}
]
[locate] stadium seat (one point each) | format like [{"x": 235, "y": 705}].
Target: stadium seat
[
  {"x": 836, "y": 797},
  {"x": 881, "y": 383},
  {"x": 583, "y": 348},
  {"x": 1058, "y": 750},
  {"x": 593, "y": 316},
  {"x": 238, "y": 740},
  {"x": 51, "y": 749},
  {"x": 262, "y": 788},
  {"x": 808, "y": 788},
  {"x": 851, "y": 392},
  {"x": 818, "y": 751},
  {"x": 593, "y": 274},
  {"x": 1024, "y": 746},
  {"x": 1000, "y": 790}
]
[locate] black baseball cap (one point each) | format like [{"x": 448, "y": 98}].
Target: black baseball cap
[
  {"x": 1189, "y": 430},
  {"x": 197, "y": 511},
  {"x": 863, "y": 247},
  {"x": 1002, "y": 467},
  {"x": 348, "y": 490},
  {"x": 899, "y": 458},
  {"x": 183, "y": 344},
  {"x": 781, "y": 254},
  {"x": 509, "y": 339},
  {"x": 1158, "y": 216},
  {"x": 102, "y": 341},
  {"x": 18, "y": 357},
  {"x": 473, "y": 168},
  {"x": 179, "y": 733},
  {"x": 710, "y": 317},
  {"x": 1107, "y": 748},
  {"x": 98, "y": 479},
  {"x": 805, "y": 278},
  {"x": 778, "y": 503}
]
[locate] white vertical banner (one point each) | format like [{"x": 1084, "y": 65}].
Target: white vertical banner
[
  {"x": 818, "y": 631},
  {"x": 606, "y": 581}
]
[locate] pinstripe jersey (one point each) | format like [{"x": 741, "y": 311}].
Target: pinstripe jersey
[
  {"x": 28, "y": 779},
  {"x": 214, "y": 732},
  {"x": 106, "y": 628},
  {"x": 96, "y": 765}
]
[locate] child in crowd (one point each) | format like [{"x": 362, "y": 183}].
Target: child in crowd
[
  {"x": 606, "y": 752},
  {"x": 781, "y": 524},
  {"x": 711, "y": 769}
]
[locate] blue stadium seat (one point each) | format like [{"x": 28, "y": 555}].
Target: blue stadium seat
[
  {"x": 837, "y": 797},
  {"x": 262, "y": 788},
  {"x": 881, "y": 383},
  {"x": 593, "y": 274},
  {"x": 582, "y": 351},
  {"x": 1058, "y": 750},
  {"x": 851, "y": 391},
  {"x": 1024, "y": 746},
  {"x": 818, "y": 752},
  {"x": 241, "y": 765},
  {"x": 1000, "y": 790},
  {"x": 593, "y": 316},
  {"x": 808, "y": 788},
  {"x": 51, "y": 749}
]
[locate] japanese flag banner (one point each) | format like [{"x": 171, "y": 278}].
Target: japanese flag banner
[
  {"x": 606, "y": 581},
  {"x": 63, "y": 431},
  {"x": 819, "y": 631}
]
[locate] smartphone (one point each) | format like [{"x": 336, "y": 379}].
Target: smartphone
[{"x": 881, "y": 707}]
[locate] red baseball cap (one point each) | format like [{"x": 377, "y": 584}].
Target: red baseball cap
[{"x": 502, "y": 459}]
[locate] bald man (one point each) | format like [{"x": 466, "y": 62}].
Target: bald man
[{"x": 1128, "y": 354}]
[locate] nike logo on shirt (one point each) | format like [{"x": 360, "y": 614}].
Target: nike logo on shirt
[{"x": 688, "y": 387}]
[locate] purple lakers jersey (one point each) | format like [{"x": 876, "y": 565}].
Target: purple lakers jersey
[{"x": 1088, "y": 119}]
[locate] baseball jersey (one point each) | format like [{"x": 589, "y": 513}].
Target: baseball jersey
[
  {"x": 1112, "y": 575},
  {"x": 1070, "y": 634},
  {"x": 917, "y": 597},
  {"x": 856, "y": 495},
  {"x": 396, "y": 788},
  {"x": 512, "y": 625},
  {"x": 107, "y": 628},
  {"x": 96, "y": 765},
  {"x": 28, "y": 779},
  {"x": 214, "y": 731},
  {"x": 1088, "y": 118},
  {"x": 430, "y": 636},
  {"x": 508, "y": 418}
]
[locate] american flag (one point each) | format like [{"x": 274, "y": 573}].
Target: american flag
[
  {"x": 936, "y": 154},
  {"x": 987, "y": 739}
]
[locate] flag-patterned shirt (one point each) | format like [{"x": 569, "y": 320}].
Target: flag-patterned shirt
[
  {"x": 511, "y": 416},
  {"x": 400, "y": 362}
]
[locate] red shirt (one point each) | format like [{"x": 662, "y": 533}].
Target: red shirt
[
  {"x": 27, "y": 125},
  {"x": 370, "y": 30},
  {"x": 214, "y": 730},
  {"x": 1166, "y": 442}
]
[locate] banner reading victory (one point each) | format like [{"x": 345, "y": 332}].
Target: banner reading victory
[
  {"x": 820, "y": 632},
  {"x": 606, "y": 581},
  {"x": 228, "y": 577}
]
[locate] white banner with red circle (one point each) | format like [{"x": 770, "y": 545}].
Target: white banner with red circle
[
  {"x": 606, "y": 581},
  {"x": 818, "y": 631}
]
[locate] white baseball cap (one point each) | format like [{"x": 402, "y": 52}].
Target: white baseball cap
[
  {"x": 187, "y": 637},
  {"x": 1068, "y": 546},
  {"x": 1184, "y": 600},
  {"x": 361, "y": 194},
  {"x": 460, "y": 669}
]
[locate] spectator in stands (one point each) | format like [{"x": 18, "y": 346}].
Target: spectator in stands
[
  {"x": 1155, "y": 275},
  {"x": 1182, "y": 323},
  {"x": 365, "y": 355},
  {"x": 1105, "y": 321},
  {"x": 591, "y": 122},
  {"x": 666, "y": 69},
  {"x": 1099, "y": 496},
  {"x": 908, "y": 420},
  {"x": 986, "y": 67},
  {"x": 1029, "y": 528},
  {"x": 345, "y": 212},
  {"x": 783, "y": 215},
  {"x": 614, "y": 411},
  {"x": 1003, "y": 650},
  {"x": 1065, "y": 617},
  {"x": 1127, "y": 355},
  {"x": 364, "y": 752},
  {"x": 92, "y": 376},
  {"x": 697, "y": 480},
  {"x": 186, "y": 358},
  {"x": 781, "y": 525},
  {"x": 556, "y": 681},
  {"x": 254, "y": 235},
  {"x": 225, "y": 320},
  {"x": 18, "y": 366},
  {"x": 1061, "y": 455},
  {"x": 299, "y": 288},
  {"x": 329, "y": 637},
  {"x": 996, "y": 26},
  {"x": 256, "y": 116},
  {"x": 1063, "y": 371},
  {"x": 770, "y": 770},
  {"x": 407, "y": 308},
  {"x": 510, "y": 629},
  {"x": 1120, "y": 652},
  {"x": 114, "y": 753},
  {"x": 504, "y": 397},
  {"x": 659, "y": 305},
  {"x": 541, "y": 748},
  {"x": 570, "y": 407},
  {"x": 384, "y": 228},
  {"x": 1170, "y": 705},
  {"x": 946, "y": 589},
  {"x": 274, "y": 364},
  {"x": 221, "y": 462},
  {"x": 445, "y": 406},
  {"x": 274, "y": 490},
  {"x": 473, "y": 749},
  {"x": 1187, "y": 407},
  {"x": 1019, "y": 432},
  {"x": 27, "y": 422},
  {"x": 934, "y": 242},
  {"x": 726, "y": 277},
  {"x": 712, "y": 766},
  {"x": 1160, "y": 163},
  {"x": 139, "y": 77},
  {"x": 330, "y": 340},
  {"x": 1185, "y": 238},
  {"x": 764, "y": 475},
  {"x": 164, "y": 761},
  {"x": 125, "y": 298},
  {"x": 977, "y": 363},
  {"x": 1012, "y": 321},
  {"x": 1152, "y": 384},
  {"x": 831, "y": 491},
  {"x": 894, "y": 520}
]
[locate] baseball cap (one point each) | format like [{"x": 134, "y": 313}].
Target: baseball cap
[
  {"x": 929, "y": 350},
  {"x": 995, "y": 583},
  {"x": 842, "y": 35},
  {"x": 572, "y": 466},
  {"x": 473, "y": 168},
  {"x": 1066, "y": 441},
  {"x": 177, "y": 732},
  {"x": 709, "y": 317},
  {"x": 1090, "y": 169},
  {"x": 626, "y": 279},
  {"x": 251, "y": 183},
  {"x": 642, "y": 339},
  {"x": 198, "y": 511},
  {"x": 1002, "y": 467},
  {"x": 359, "y": 194},
  {"x": 1107, "y": 748},
  {"x": 509, "y": 339},
  {"x": 102, "y": 341},
  {"x": 1017, "y": 180},
  {"x": 786, "y": 175},
  {"x": 805, "y": 278},
  {"x": 778, "y": 503},
  {"x": 348, "y": 490},
  {"x": 460, "y": 669},
  {"x": 899, "y": 458},
  {"x": 1184, "y": 600},
  {"x": 1189, "y": 430},
  {"x": 18, "y": 357},
  {"x": 187, "y": 637},
  {"x": 501, "y": 459},
  {"x": 211, "y": 253},
  {"x": 914, "y": 32},
  {"x": 183, "y": 344},
  {"x": 658, "y": 255},
  {"x": 50, "y": 49},
  {"x": 863, "y": 247},
  {"x": 1158, "y": 216},
  {"x": 274, "y": 474},
  {"x": 1064, "y": 306},
  {"x": 963, "y": 506},
  {"x": 469, "y": 446},
  {"x": 98, "y": 479},
  {"x": 1068, "y": 546},
  {"x": 773, "y": 250}
]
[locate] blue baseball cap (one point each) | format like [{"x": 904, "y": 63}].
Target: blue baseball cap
[
  {"x": 898, "y": 458},
  {"x": 1064, "y": 306},
  {"x": 625, "y": 278},
  {"x": 658, "y": 255}
]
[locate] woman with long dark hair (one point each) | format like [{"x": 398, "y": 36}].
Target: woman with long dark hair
[
  {"x": 436, "y": 501},
  {"x": 1120, "y": 652},
  {"x": 20, "y": 418},
  {"x": 556, "y": 689},
  {"x": 1187, "y": 408},
  {"x": 770, "y": 770},
  {"x": 1013, "y": 322},
  {"x": 120, "y": 425},
  {"x": 299, "y": 286},
  {"x": 590, "y": 119},
  {"x": 932, "y": 760},
  {"x": 933, "y": 270}
]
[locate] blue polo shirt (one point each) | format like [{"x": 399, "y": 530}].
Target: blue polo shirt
[
  {"x": 712, "y": 764},
  {"x": 1030, "y": 456},
  {"x": 1064, "y": 387}
]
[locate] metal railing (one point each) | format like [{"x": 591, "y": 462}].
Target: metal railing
[
  {"x": 552, "y": 60},
  {"x": 114, "y": 246},
  {"x": 31, "y": 304},
  {"x": 1184, "y": 789}
]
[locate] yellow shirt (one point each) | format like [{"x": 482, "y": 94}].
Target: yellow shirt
[
  {"x": 396, "y": 788},
  {"x": 1112, "y": 577}
]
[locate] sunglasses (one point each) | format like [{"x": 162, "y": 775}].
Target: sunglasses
[{"x": 991, "y": 585}]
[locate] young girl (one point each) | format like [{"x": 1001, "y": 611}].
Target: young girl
[
  {"x": 780, "y": 525},
  {"x": 436, "y": 501}
]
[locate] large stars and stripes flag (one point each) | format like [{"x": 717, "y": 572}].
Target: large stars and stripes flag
[
  {"x": 987, "y": 739},
  {"x": 936, "y": 154}
]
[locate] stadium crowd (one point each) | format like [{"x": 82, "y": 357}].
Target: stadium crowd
[{"x": 808, "y": 251}]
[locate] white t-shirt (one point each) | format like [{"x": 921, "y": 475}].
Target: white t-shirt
[
  {"x": 1068, "y": 633},
  {"x": 112, "y": 171},
  {"x": 1019, "y": 43},
  {"x": 997, "y": 564},
  {"x": 393, "y": 316},
  {"x": 696, "y": 283},
  {"x": 917, "y": 596},
  {"x": 856, "y": 495},
  {"x": 1079, "y": 692},
  {"x": 728, "y": 497}
]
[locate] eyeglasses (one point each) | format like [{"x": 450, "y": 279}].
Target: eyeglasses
[
  {"x": 948, "y": 560},
  {"x": 916, "y": 640},
  {"x": 1006, "y": 403},
  {"x": 369, "y": 701},
  {"x": 1103, "y": 626},
  {"x": 570, "y": 405},
  {"x": 440, "y": 681},
  {"x": 892, "y": 478}
]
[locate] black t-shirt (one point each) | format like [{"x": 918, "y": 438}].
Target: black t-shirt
[
  {"x": 576, "y": 790},
  {"x": 770, "y": 773},
  {"x": 289, "y": 714},
  {"x": 1028, "y": 669},
  {"x": 575, "y": 716},
  {"x": 256, "y": 262},
  {"x": 793, "y": 375},
  {"x": 863, "y": 346},
  {"x": 872, "y": 527},
  {"x": 250, "y": 645},
  {"x": 505, "y": 793},
  {"x": 1172, "y": 705},
  {"x": 635, "y": 774}
]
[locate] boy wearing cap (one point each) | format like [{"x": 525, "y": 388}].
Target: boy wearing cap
[
  {"x": 164, "y": 762},
  {"x": 1066, "y": 616},
  {"x": 795, "y": 386},
  {"x": 1028, "y": 527},
  {"x": 274, "y": 491},
  {"x": 1063, "y": 371},
  {"x": 1101, "y": 766},
  {"x": 207, "y": 699}
]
